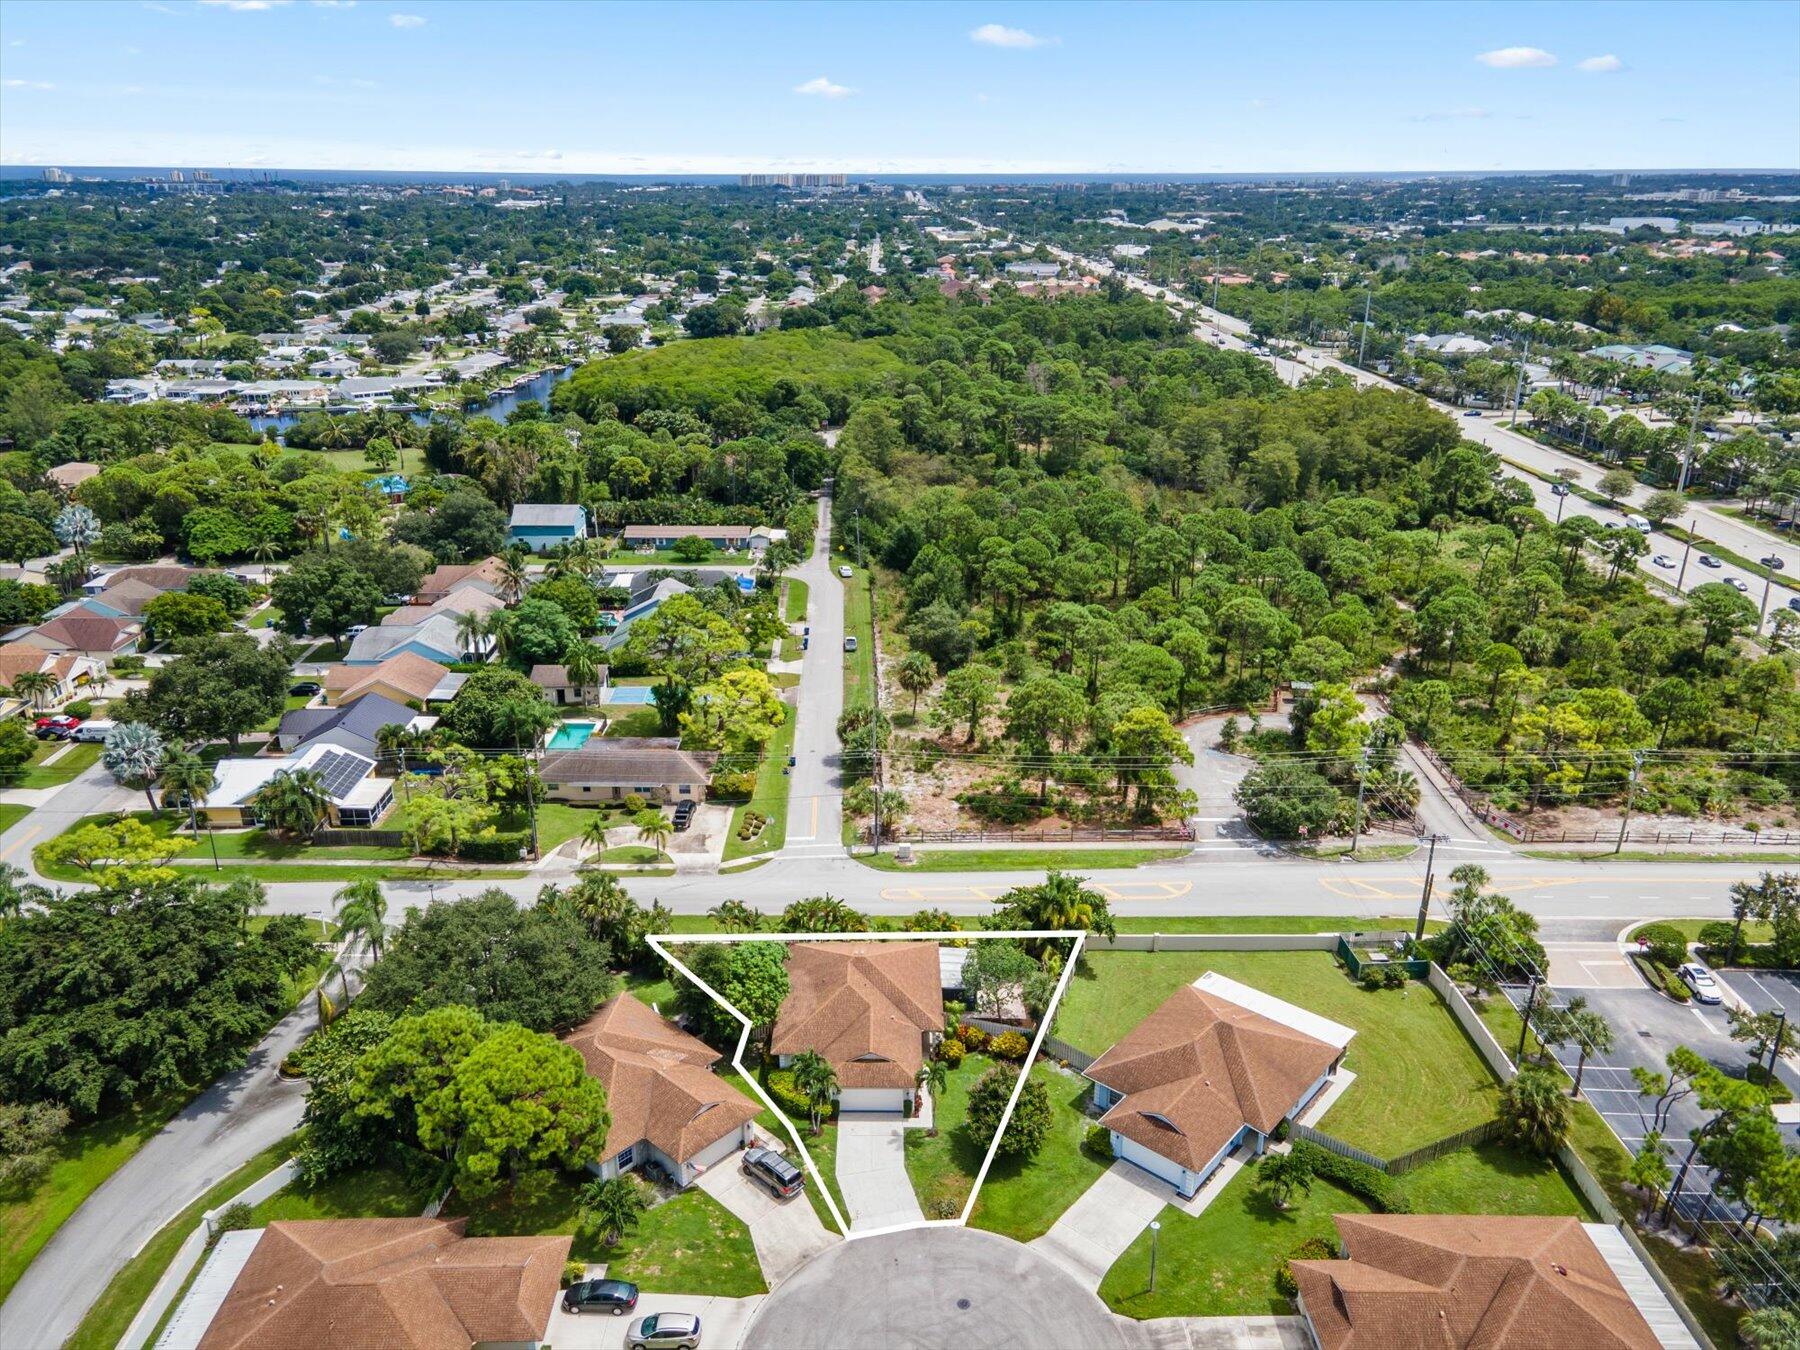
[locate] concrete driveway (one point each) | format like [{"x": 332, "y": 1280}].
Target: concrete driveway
[
  {"x": 786, "y": 1233},
  {"x": 722, "y": 1322},
  {"x": 871, "y": 1172},
  {"x": 1095, "y": 1231}
]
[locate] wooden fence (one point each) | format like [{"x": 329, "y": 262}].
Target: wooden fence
[
  {"x": 336, "y": 838},
  {"x": 1406, "y": 1162}
]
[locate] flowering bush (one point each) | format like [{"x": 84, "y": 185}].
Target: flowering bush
[
  {"x": 973, "y": 1038},
  {"x": 951, "y": 1052},
  {"x": 1010, "y": 1045}
]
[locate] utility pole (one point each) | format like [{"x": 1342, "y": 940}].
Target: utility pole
[
  {"x": 857, "y": 517},
  {"x": 1525, "y": 1020},
  {"x": 1425, "y": 894},
  {"x": 1215, "y": 303},
  {"x": 1363, "y": 346},
  {"x": 1362, "y": 778},
  {"x": 1687, "y": 455},
  {"x": 1519, "y": 389},
  {"x": 1774, "y": 564},
  {"x": 1637, "y": 759},
  {"x": 1687, "y": 548}
]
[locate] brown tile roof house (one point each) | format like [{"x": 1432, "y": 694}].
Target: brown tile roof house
[
  {"x": 1500, "y": 1282},
  {"x": 388, "y": 1284},
  {"x": 1192, "y": 1075},
  {"x": 129, "y": 597},
  {"x": 161, "y": 576},
  {"x": 402, "y": 677},
  {"x": 867, "y": 1007},
  {"x": 613, "y": 767},
  {"x": 559, "y": 688},
  {"x": 489, "y": 574},
  {"x": 467, "y": 600},
  {"x": 21, "y": 658},
  {"x": 660, "y": 1086},
  {"x": 82, "y": 630},
  {"x": 69, "y": 475}
]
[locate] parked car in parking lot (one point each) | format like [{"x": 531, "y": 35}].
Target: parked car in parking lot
[
  {"x": 664, "y": 1331},
  {"x": 773, "y": 1172},
  {"x": 614, "y": 1296},
  {"x": 1699, "y": 979}
]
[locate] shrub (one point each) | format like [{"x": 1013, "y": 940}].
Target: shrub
[
  {"x": 1661, "y": 977},
  {"x": 1777, "y": 1090},
  {"x": 1010, "y": 1045},
  {"x": 943, "y": 1207},
  {"x": 573, "y": 1272},
  {"x": 233, "y": 1219},
  {"x": 951, "y": 1052},
  {"x": 1716, "y": 936},
  {"x": 1664, "y": 943},
  {"x": 1376, "y": 1187},
  {"x": 733, "y": 785},
  {"x": 972, "y": 1037},
  {"x": 634, "y": 802},
  {"x": 789, "y": 1098},
  {"x": 1313, "y": 1249},
  {"x": 494, "y": 846},
  {"x": 751, "y": 825},
  {"x": 1098, "y": 1141},
  {"x": 80, "y": 708}
]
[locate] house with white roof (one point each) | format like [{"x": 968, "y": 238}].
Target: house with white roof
[{"x": 354, "y": 797}]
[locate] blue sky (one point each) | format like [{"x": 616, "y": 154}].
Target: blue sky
[{"x": 877, "y": 88}]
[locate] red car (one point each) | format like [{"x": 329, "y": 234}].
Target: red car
[{"x": 57, "y": 728}]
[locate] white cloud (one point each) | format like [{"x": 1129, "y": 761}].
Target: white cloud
[
  {"x": 407, "y": 20},
  {"x": 999, "y": 35},
  {"x": 26, "y": 84},
  {"x": 1516, "y": 58},
  {"x": 1600, "y": 65},
  {"x": 821, "y": 87}
]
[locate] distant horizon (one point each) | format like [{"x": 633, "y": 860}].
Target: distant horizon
[{"x": 244, "y": 174}]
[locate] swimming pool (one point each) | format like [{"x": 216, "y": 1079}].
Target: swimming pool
[
  {"x": 628, "y": 693},
  {"x": 570, "y": 736}
]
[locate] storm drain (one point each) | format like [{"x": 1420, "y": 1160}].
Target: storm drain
[{"x": 962, "y": 1304}]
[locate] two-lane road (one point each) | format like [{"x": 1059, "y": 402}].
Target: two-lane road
[{"x": 816, "y": 788}]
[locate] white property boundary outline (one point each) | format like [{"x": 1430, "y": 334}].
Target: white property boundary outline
[{"x": 659, "y": 943}]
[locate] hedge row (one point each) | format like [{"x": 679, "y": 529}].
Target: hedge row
[{"x": 1378, "y": 1188}]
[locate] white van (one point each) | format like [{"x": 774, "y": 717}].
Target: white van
[
  {"x": 92, "y": 731},
  {"x": 1637, "y": 523}
]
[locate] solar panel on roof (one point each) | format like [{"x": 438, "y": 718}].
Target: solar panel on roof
[{"x": 340, "y": 772}]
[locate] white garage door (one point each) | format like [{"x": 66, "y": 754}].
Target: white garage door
[
  {"x": 713, "y": 1152},
  {"x": 1154, "y": 1163},
  {"x": 872, "y": 1099}
]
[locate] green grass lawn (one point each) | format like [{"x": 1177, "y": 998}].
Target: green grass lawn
[
  {"x": 770, "y": 797},
  {"x": 942, "y": 1167},
  {"x": 11, "y": 813},
  {"x": 1272, "y": 923},
  {"x": 634, "y": 853},
  {"x": 86, "y": 1155},
  {"x": 640, "y": 721},
  {"x": 119, "y": 1302},
  {"x": 1418, "y": 1077},
  {"x": 1022, "y": 1199},
  {"x": 1017, "y": 860},
  {"x": 689, "y": 1245},
  {"x": 799, "y": 593},
  {"x": 1493, "y": 1179},
  {"x": 82, "y": 757},
  {"x": 367, "y": 1193},
  {"x": 859, "y": 665}
]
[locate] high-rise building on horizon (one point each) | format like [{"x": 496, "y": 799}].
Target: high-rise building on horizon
[
  {"x": 58, "y": 176},
  {"x": 791, "y": 180}
]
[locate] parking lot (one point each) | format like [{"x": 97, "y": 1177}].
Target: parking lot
[{"x": 1767, "y": 990}]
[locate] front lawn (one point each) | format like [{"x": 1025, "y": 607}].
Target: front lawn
[
  {"x": 943, "y": 1167},
  {"x": 1023, "y": 1198},
  {"x": 1223, "y": 1263},
  {"x": 689, "y": 1245},
  {"x": 82, "y": 756},
  {"x": 1493, "y": 1179},
  {"x": 366, "y": 1193},
  {"x": 770, "y": 798},
  {"x": 640, "y": 721},
  {"x": 798, "y": 592},
  {"x": 11, "y": 813},
  {"x": 1418, "y": 1077}
]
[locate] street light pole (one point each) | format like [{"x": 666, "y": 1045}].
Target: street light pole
[
  {"x": 1362, "y": 347},
  {"x": 1525, "y": 1020},
  {"x": 1773, "y": 564},
  {"x": 1155, "y": 1228},
  {"x": 1687, "y": 455},
  {"x": 1687, "y": 548},
  {"x": 1362, "y": 778},
  {"x": 1519, "y": 389}
]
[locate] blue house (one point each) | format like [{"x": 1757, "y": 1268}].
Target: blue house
[{"x": 538, "y": 526}]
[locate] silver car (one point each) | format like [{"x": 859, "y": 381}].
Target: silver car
[
  {"x": 1699, "y": 979},
  {"x": 664, "y": 1331}
]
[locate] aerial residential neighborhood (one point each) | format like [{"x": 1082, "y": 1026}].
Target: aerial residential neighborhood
[{"x": 840, "y": 677}]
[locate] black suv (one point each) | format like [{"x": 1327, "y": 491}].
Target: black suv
[
  {"x": 773, "y": 1173},
  {"x": 684, "y": 814},
  {"x": 617, "y": 1297}
]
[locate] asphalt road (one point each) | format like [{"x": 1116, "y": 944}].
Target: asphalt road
[
  {"x": 816, "y": 789},
  {"x": 1233, "y": 334}
]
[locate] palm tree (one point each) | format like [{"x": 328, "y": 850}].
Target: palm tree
[
  {"x": 654, "y": 829},
  {"x": 34, "y": 685},
  {"x": 77, "y": 527},
  {"x": 190, "y": 777},
  {"x": 292, "y": 802},
  {"x": 734, "y": 916},
  {"x": 362, "y": 914},
  {"x": 134, "y": 755},
  {"x": 595, "y": 834},
  {"x": 611, "y": 1207},
  {"x": 817, "y": 1081},
  {"x": 1534, "y": 1113},
  {"x": 582, "y": 665},
  {"x": 470, "y": 629},
  {"x": 934, "y": 1074},
  {"x": 512, "y": 577}
]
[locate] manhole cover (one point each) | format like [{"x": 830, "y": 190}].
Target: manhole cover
[{"x": 963, "y": 1304}]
